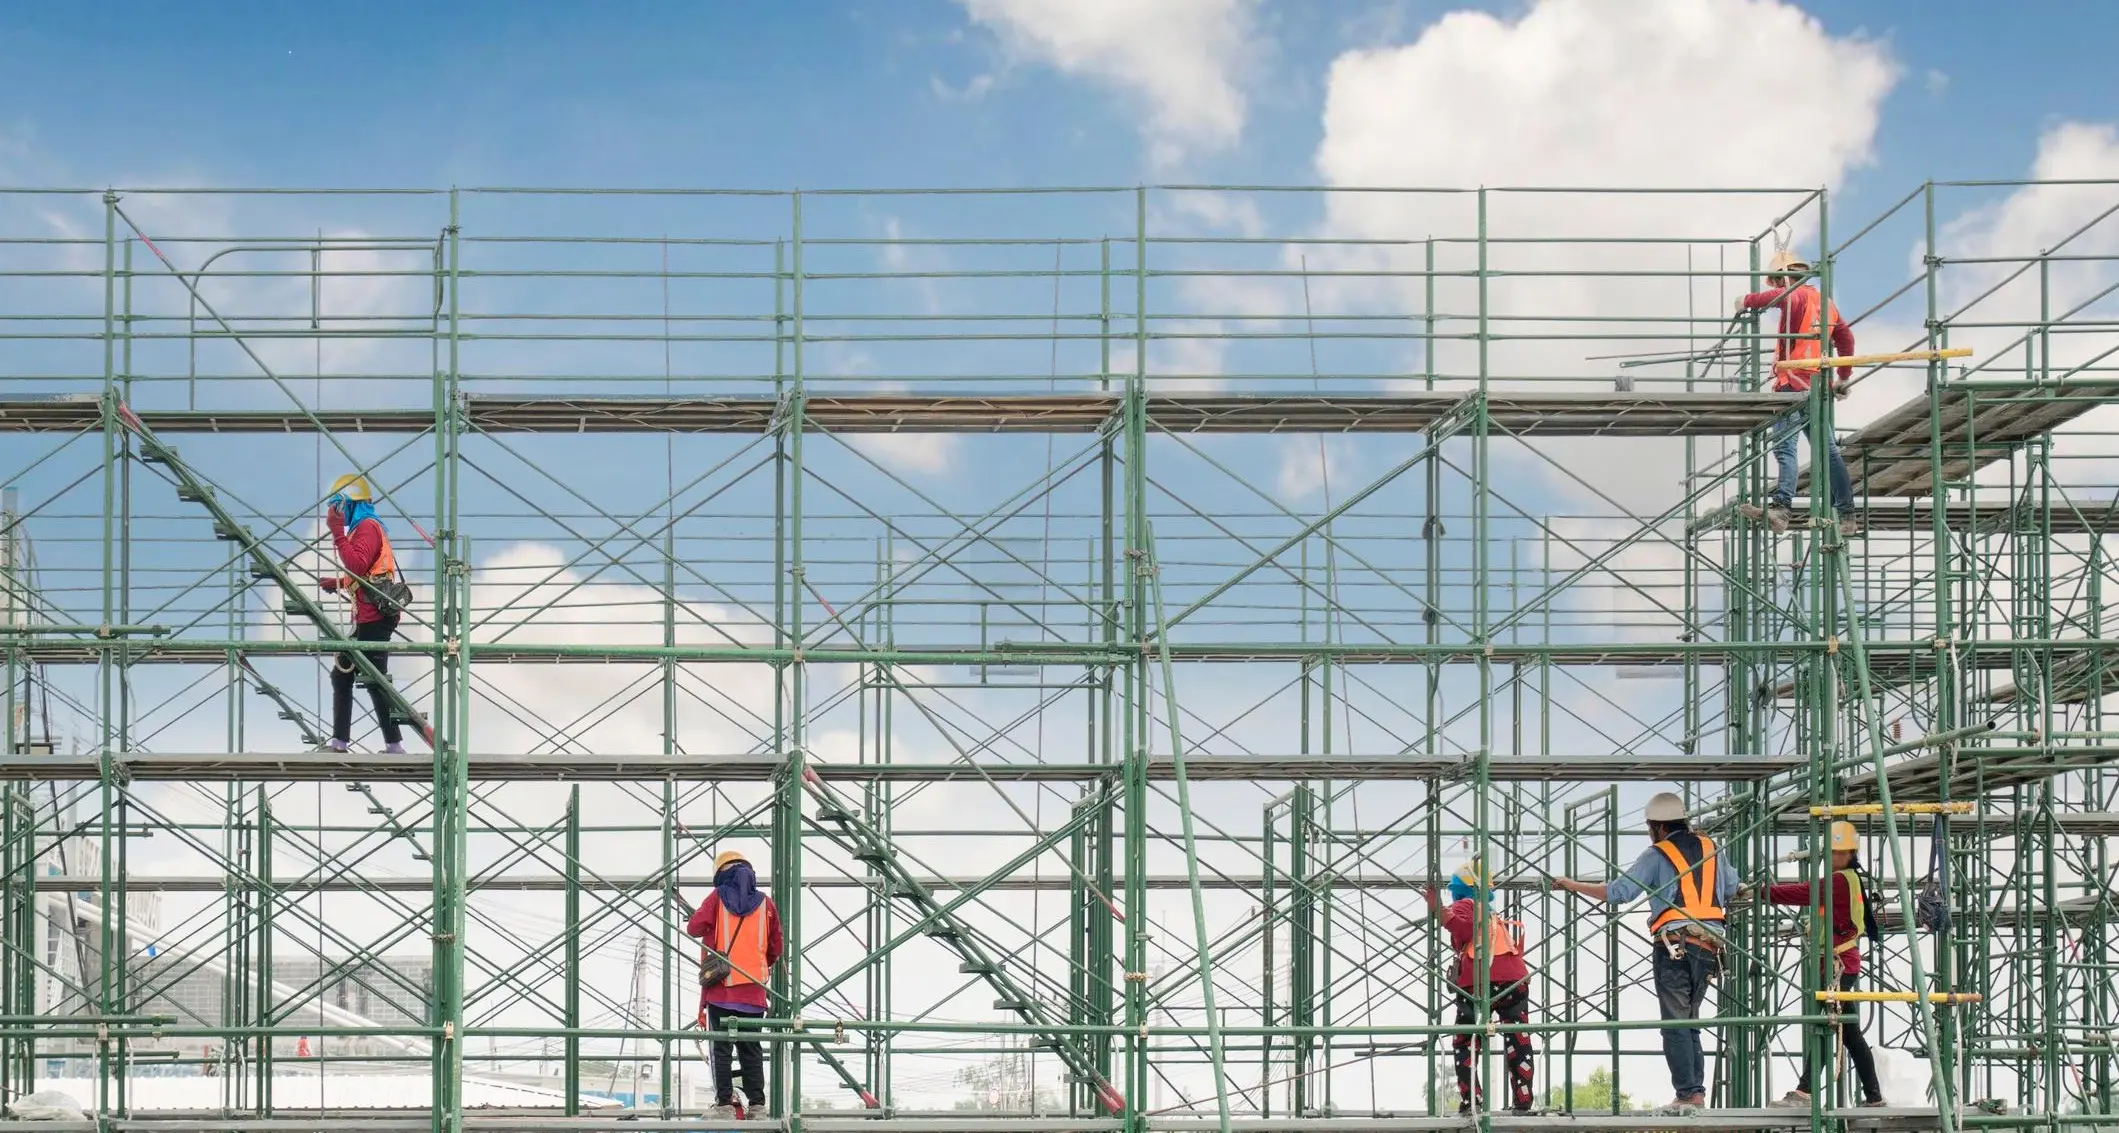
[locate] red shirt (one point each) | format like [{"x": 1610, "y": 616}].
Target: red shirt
[
  {"x": 358, "y": 550},
  {"x": 1800, "y": 307},
  {"x": 1459, "y": 920},
  {"x": 742, "y": 997},
  {"x": 1841, "y": 908}
]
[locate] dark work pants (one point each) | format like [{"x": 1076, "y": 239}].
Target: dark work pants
[
  {"x": 750, "y": 1054},
  {"x": 1511, "y": 1005},
  {"x": 1681, "y": 984},
  {"x": 343, "y": 670},
  {"x": 1858, "y": 1051}
]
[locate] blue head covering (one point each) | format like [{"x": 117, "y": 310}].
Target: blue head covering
[
  {"x": 738, "y": 886},
  {"x": 1462, "y": 890},
  {"x": 355, "y": 511}
]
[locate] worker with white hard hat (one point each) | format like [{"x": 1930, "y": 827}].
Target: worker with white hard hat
[
  {"x": 1851, "y": 916},
  {"x": 1688, "y": 892},
  {"x": 1800, "y": 341}
]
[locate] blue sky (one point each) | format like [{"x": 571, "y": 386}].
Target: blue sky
[{"x": 816, "y": 95}]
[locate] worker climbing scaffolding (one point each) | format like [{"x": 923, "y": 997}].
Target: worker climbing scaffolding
[
  {"x": 1797, "y": 356},
  {"x": 378, "y": 593},
  {"x": 1847, "y": 911}
]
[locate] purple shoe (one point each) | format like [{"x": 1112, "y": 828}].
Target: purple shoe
[
  {"x": 338, "y": 746},
  {"x": 393, "y": 749}
]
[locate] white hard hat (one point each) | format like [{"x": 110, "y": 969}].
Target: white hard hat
[
  {"x": 1785, "y": 262},
  {"x": 1666, "y": 807}
]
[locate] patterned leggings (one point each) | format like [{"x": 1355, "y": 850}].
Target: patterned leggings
[{"x": 1511, "y": 1005}]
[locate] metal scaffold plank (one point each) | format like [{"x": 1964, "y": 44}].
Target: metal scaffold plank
[
  {"x": 685, "y": 767},
  {"x": 1523, "y": 414}
]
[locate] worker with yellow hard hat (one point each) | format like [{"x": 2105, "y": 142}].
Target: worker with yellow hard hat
[
  {"x": 738, "y": 929},
  {"x": 378, "y": 591},
  {"x": 1846, "y": 907}
]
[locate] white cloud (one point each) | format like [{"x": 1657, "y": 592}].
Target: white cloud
[
  {"x": 1591, "y": 93},
  {"x": 2012, "y": 232},
  {"x": 1310, "y": 465},
  {"x": 1937, "y": 81},
  {"x": 1183, "y": 61}
]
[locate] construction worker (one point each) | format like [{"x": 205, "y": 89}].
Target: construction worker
[
  {"x": 1508, "y": 981},
  {"x": 364, "y": 551},
  {"x": 1846, "y": 909},
  {"x": 1688, "y": 890},
  {"x": 738, "y": 925},
  {"x": 1801, "y": 309}
]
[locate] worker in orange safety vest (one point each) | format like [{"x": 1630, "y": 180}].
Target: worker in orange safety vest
[
  {"x": 1508, "y": 981},
  {"x": 1807, "y": 318},
  {"x": 738, "y": 928}
]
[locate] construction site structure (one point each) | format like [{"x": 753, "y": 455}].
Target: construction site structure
[{"x": 1102, "y": 614}]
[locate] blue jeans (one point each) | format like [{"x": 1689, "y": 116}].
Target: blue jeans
[
  {"x": 1680, "y": 988},
  {"x": 1798, "y": 424}
]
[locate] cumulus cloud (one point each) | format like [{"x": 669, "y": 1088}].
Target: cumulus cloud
[
  {"x": 1592, "y": 93},
  {"x": 1182, "y": 62}
]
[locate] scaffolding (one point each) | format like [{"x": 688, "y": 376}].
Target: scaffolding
[{"x": 1039, "y": 584}]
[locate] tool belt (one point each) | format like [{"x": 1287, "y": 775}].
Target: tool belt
[{"x": 1677, "y": 937}]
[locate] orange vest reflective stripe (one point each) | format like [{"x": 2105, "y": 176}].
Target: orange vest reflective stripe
[
  {"x": 1806, "y": 345},
  {"x": 1696, "y": 885},
  {"x": 1857, "y": 910},
  {"x": 742, "y": 941},
  {"x": 1503, "y": 938}
]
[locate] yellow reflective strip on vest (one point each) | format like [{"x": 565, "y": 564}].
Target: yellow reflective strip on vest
[{"x": 1857, "y": 910}]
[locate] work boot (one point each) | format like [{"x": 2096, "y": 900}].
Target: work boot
[
  {"x": 393, "y": 749},
  {"x": 1849, "y": 527},
  {"x": 1776, "y": 515},
  {"x": 726, "y": 1111},
  {"x": 1875, "y": 1103},
  {"x": 338, "y": 746},
  {"x": 1793, "y": 1099},
  {"x": 1685, "y": 1106}
]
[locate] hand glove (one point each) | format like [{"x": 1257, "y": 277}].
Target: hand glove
[
  {"x": 336, "y": 521},
  {"x": 330, "y": 585}
]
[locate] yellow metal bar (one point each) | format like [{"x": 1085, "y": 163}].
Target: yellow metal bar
[
  {"x": 1939, "y": 997},
  {"x": 1873, "y": 359},
  {"x": 1858, "y": 809}
]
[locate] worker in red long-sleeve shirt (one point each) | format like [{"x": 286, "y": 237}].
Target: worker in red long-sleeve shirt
[
  {"x": 364, "y": 551},
  {"x": 1801, "y": 310},
  {"x": 1847, "y": 910},
  {"x": 742, "y": 925},
  {"x": 1508, "y": 982}
]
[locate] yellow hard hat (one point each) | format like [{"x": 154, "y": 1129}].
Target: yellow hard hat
[
  {"x": 1785, "y": 262},
  {"x": 727, "y": 859},
  {"x": 352, "y": 485},
  {"x": 1844, "y": 836},
  {"x": 1473, "y": 873}
]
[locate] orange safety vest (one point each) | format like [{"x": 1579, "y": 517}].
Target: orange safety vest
[
  {"x": 385, "y": 560},
  {"x": 1503, "y": 938},
  {"x": 745, "y": 951},
  {"x": 1857, "y": 909},
  {"x": 1696, "y": 878},
  {"x": 1808, "y": 344}
]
